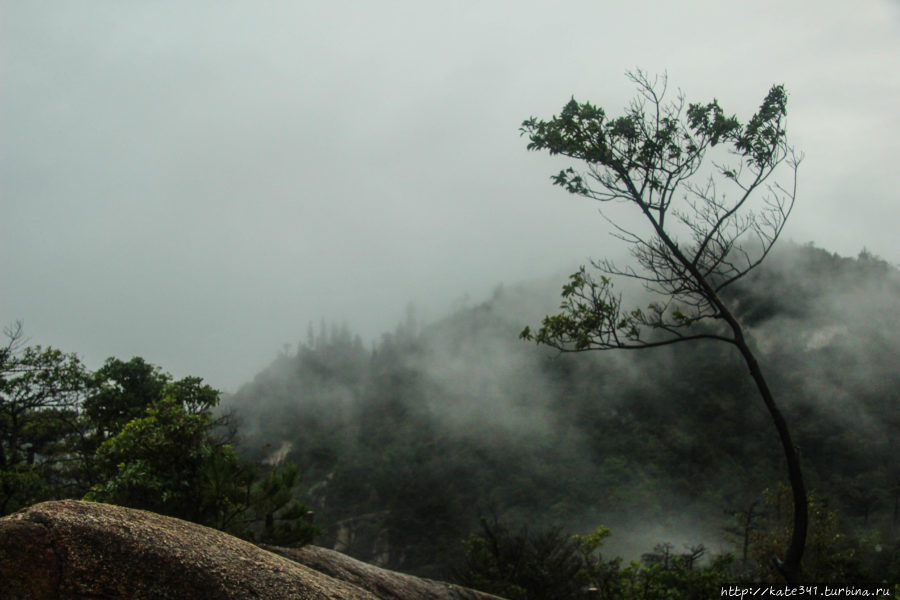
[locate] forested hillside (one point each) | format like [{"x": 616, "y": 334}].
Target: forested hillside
[{"x": 404, "y": 444}]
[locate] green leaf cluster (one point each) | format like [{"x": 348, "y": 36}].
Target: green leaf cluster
[
  {"x": 40, "y": 394},
  {"x": 654, "y": 142},
  {"x": 703, "y": 183},
  {"x": 549, "y": 565},
  {"x": 158, "y": 462},
  {"x": 129, "y": 434},
  {"x": 590, "y": 317},
  {"x": 831, "y": 555}
]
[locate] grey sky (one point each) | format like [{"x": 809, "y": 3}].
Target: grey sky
[{"x": 195, "y": 182}]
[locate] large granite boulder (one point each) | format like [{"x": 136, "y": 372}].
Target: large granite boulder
[
  {"x": 70, "y": 550},
  {"x": 386, "y": 585}
]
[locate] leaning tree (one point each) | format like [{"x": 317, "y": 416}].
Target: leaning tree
[{"x": 712, "y": 207}]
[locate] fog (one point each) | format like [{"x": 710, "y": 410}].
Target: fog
[
  {"x": 195, "y": 183},
  {"x": 659, "y": 445}
]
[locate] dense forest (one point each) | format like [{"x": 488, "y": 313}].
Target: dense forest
[
  {"x": 455, "y": 450},
  {"x": 404, "y": 445}
]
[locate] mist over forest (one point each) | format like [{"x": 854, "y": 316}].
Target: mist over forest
[
  {"x": 403, "y": 444},
  {"x": 184, "y": 187}
]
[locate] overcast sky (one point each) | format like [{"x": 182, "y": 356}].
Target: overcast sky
[{"x": 195, "y": 182}]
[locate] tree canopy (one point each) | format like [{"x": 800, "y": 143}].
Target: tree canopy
[
  {"x": 706, "y": 185},
  {"x": 128, "y": 434}
]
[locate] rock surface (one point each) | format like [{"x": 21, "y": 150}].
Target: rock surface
[
  {"x": 70, "y": 550},
  {"x": 384, "y": 584}
]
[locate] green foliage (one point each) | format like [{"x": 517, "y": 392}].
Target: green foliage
[
  {"x": 22, "y": 485},
  {"x": 549, "y": 565},
  {"x": 657, "y": 157},
  {"x": 122, "y": 391},
  {"x": 286, "y": 522},
  {"x": 591, "y": 317},
  {"x": 40, "y": 391},
  {"x": 831, "y": 555},
  {"x": 171, "y": 462},
  {"x": 655, "y": 144},
  {"x": 523, "y": 565},
  {"x": 195, "y": 396},
  {"x": 680, "y": 579},
  {"x": 130, "y": 435},
  {"x": 158, "y": 462}
]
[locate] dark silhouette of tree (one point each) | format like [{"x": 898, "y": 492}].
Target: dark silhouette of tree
[
  {"x": 522, "y": 564},
  {"x": 706, "y": 187},
  {"x": 745, "y": 523},
  {"x": 40, "y": 391},
  {"x": 122, "y": 391}
]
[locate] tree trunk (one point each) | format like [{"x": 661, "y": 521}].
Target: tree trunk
[{"x": 790, "y": 568}]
